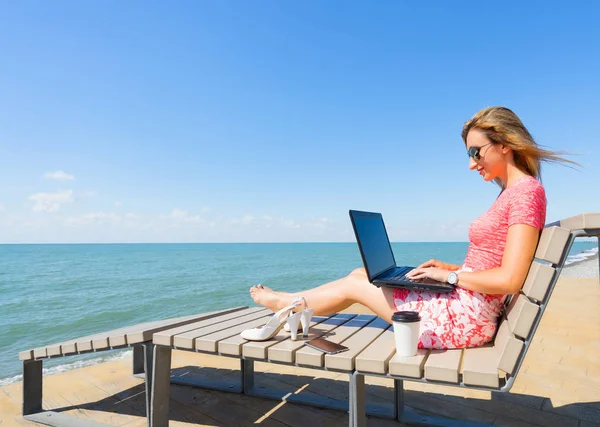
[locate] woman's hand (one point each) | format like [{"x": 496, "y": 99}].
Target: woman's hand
[
  {"x": 435, "y": 273},
  {"x": 437, "y": 264}
]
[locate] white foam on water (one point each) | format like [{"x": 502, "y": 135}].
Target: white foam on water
[
  {"x": 70, "y": 366},
  {"x": 581, "y": 256}
]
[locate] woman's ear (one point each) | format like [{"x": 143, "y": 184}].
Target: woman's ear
[{"x": 505, "y": 149}]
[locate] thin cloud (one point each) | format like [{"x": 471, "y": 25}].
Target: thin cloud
[
  {"x": 59, "y": 176},
  {"x": 182, "y": 216},
  {"x": 94, "y": 218},
  {"x": 51, "y": 202},
  {"x": 246, "y": 220}
]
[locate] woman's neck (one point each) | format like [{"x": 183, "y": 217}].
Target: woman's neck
[{"x": 512, "y": 175}]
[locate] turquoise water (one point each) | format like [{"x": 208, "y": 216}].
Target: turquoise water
[{"x": 51, "y": 293}]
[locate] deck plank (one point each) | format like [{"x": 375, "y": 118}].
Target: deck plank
[
  {"x": 521, "y": 314},
  {"x": 166, "y": 337},
  {"x": 260, "y": 349},
  {"x": 480, "y": 366},
  {"x": 127, "y": 335},
  {"x": 307, "y": 356},
  {"x": 285, "y": 351},
  {"x": 376, "y": 357},
  {"x": 209, "y": 342},
  {"x": 408, "y": 366},
  {"x": 186, "y": 340},
  {"x": 356, "y": 343},
  {"x": 443, "y": 365}
]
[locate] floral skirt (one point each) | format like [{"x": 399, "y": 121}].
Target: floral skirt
[{"x": 456, "y": 319}]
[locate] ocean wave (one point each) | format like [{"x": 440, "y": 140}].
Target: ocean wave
[
  {"x": 581, "y": 256},
  {"x": 70, "y": 366}
]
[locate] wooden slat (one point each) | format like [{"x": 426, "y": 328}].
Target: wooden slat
[
  {"x": 582, "y": 221},
  {"x": 509, "y": 346},
  {"x": 26, "y": 355},
  {"x": 39, "y": 353},
  {"x": 356, "y": 344},
  {"x": 165, "y": 337},
  {"x": 117, "y": 337},
  {"x": 70, "y": 346},
  {"x": 413, "y": 366},
  {"x": 140, "y": 336},
  {"x": 82, "y": 344},
  {"x": 260, "y": 349},
  {"x": 375, "y": 357},
  {"x": 443, "y": 365},
  {"x": 310, "y": 357},
  {"x": 480, "y": 366},
  {"x": 210, "y": 342},
  {"x": 552, "y": 244},
  {"x": 232, "y": 346},
  {"x": 101, "y": 341},
  {"x": 186, "y": 339},
  {"x": 538, "y": 280},
  {"x": 285, "y": 351},
  {"x": 521, "y": 314}
]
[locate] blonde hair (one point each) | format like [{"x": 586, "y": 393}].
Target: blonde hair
[{"x": 502, "y": 126}]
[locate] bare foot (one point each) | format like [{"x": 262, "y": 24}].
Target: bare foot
[{"x": 267, "y": 297}]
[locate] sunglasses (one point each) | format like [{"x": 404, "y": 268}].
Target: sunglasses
[{"x": 474, "y": 152}]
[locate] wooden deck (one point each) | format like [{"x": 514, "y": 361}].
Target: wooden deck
[{"x": 559, "y": 384}]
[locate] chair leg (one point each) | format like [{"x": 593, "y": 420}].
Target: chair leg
[
  {"x": 398, "y": 399},
  {"x": 32, "y": 387},
  {"x": 358, "y": 410},
  {"x": 161, "y": 387},
  {"x": 138, "y": 359},
  {"x": 247, "y": 368},
  {"x": 148, "y": 354}
]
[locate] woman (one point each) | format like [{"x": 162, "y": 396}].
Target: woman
[{"x": 502, "y": 245}]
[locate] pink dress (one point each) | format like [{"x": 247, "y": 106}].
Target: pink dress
[{"x": 464, "y": 318}]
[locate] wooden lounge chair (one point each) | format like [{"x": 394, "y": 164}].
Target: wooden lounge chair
[
  {"x": 493, "y": 367},
  {"x": 371, "y": 345},
  {"x": 138, "y": 337}
]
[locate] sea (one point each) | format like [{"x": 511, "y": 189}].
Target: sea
[{"x": 52, "y": 293}]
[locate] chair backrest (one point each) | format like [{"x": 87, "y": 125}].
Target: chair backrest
[{"x": 525, "y": 310}]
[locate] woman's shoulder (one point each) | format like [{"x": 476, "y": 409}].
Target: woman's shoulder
[
  {"x": 527, "y": 203},
  {"x": 527, "y": 185}
]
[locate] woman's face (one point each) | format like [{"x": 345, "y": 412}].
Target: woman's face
[{"x": 489, "y": 159}]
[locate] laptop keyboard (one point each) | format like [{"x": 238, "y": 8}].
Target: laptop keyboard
[{"x": 401, "y": 275}]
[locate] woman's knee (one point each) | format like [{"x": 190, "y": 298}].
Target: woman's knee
[{"x": 358, "y": 272}]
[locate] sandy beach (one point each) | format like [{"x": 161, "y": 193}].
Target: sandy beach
[
  {"x": 583, "y": 269},
  {"x": 558, "y": 385}
]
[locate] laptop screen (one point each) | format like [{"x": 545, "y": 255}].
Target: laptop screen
[{"x": 373, "y": 241}]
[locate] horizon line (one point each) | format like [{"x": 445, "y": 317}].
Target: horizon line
[{"x": 210, "y": 243}]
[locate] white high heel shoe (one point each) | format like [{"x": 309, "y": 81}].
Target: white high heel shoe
[
  {"x": 306, "y": 316},
  {"x": 275, "y": 323}
]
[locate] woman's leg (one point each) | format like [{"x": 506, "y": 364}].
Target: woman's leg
[{"x": 333, "y": 296}]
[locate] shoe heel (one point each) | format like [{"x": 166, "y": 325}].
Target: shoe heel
[
  {"x": 292, "y": 322},
  {"x": 305, "y": 320}
]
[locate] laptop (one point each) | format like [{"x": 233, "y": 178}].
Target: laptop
[{"x": 378, "y": 257}]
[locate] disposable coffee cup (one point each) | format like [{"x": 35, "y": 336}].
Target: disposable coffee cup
[{"x": 406, "y": 331}]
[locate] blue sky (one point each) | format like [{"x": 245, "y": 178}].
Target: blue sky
[{"x": 198, "y": 121}]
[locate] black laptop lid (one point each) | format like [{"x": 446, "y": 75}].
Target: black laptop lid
[{"x": 373, "y": 242}]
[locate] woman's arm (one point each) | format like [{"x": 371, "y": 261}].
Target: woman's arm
[
  {"x": 453, "y": 267},
  {"x": 521, "y": 243}
]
